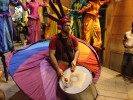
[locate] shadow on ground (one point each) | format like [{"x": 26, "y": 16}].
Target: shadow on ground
[{"x": 19, "y": 96}]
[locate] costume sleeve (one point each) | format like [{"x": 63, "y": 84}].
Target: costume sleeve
[
  {"x": 85, "y": 8},
  {"x": 65, "y": 8},
  {"x": 25, "y": 7},
  {"x": 52, "y": 43},
  {"x": 104, "y": 2},
  {"x": 43, "y": 4}
]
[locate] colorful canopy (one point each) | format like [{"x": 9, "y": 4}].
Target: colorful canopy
[{"x": 31, "y": 69}]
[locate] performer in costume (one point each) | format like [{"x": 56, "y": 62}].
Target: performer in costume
[
  {"x": 91, "y": 25},
  {"x": 34, "y": 25},
  {"x": 76, "y": 18},
  {"x": 6, "y": 30}
]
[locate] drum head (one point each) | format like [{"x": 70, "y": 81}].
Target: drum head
[{"x": 78, "y": 81}]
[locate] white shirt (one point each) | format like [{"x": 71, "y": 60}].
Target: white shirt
[{"x": 129, "y": 42}]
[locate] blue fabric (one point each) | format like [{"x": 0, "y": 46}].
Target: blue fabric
[
  {"x": 77, "y": 5},
  {"x": 4, "y": 6},
  {"x": 21, "y": 56},
  {"x": 6, "y": 34}
]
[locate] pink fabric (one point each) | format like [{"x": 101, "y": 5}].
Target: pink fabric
[
  {"x": 34, "y": 26},
  {"x": 38, "y": 79},
  {"x": 29, "y": 78},
  {"x": 34, "y": 30}
]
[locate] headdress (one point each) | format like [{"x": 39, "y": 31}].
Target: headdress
[{"x": 61, "y": 16}]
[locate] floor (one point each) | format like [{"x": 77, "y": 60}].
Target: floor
[{"x": 110, "y": 86}]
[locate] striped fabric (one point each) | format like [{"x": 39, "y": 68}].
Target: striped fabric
[{"x": 6, "y": 34}]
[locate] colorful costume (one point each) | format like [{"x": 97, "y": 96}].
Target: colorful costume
[
  {"x": 52, "y": 29},
  {"x": 34, "y": 25},
  {"x": 6, "y": 30},
  {"x": 76, "y": 18},
  {"x": 6, "y": 26},
  {"x": 91, "y": 25}
]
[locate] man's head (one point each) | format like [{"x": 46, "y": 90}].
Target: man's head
[
  {"x": 64, "y": 25},
  {"x": 66, "y": 28}
]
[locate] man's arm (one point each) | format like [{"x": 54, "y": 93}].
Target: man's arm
[
  {"x": 75, "y": 57},
  {"x": 54, "y": 62},
  {"x": 124, "y": 41}
]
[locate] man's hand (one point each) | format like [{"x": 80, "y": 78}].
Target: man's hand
[
  {"x": 73, "y": 66},
  {"x": 60, "y": 72}
]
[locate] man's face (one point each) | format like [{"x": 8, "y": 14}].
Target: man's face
[{"x": 66, "y": 27}]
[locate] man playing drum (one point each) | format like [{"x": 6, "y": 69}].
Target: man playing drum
[
  {"x": 64, "y": 53},
  {"x": 63, "y": 48},
  {"x": 60, "y": 59}
]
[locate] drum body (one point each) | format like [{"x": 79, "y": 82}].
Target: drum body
[{"x": 79, "y": 85}]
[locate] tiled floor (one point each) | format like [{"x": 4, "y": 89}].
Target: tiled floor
[{"x": 110, "y": 86}]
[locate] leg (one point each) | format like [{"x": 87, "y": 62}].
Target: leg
[{"x": 4, "y": 65}]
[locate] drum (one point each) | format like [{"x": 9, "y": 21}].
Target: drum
[{"x": 78, "y": 85}]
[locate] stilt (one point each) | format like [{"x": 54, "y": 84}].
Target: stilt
[{"x": 4, "y": 66}]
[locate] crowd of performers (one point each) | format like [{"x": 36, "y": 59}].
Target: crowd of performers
[{"x": 84, "y": 17}]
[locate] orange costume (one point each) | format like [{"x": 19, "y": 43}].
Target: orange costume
[{"x": 91, "y": 24}]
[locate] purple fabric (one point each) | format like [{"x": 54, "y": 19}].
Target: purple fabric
[
  {"x": 49, "y": 78},
  {"x": 38, "y": 76}
]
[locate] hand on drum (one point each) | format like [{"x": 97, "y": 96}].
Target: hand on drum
[
  {"x": 73, "y": 66},
  {"x": 60, "y": 72}
]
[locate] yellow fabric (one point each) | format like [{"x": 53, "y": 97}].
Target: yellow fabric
[
  {"x": 92, "y": 31},
  {"x": 52, "y": 29},
  {"x": 85, "y": 51},
  {"x": 91, "y": 25},
  {"x": 87, "y": 58}
]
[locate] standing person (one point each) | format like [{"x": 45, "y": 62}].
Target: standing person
[
  {"x": 63, "y": 51},
  {"x": 6, "y": 30},
  {"x": 34, "y": 25},
  {"x": 76, "y": 18},
  {"x": 91, "y": 25},
  {"x": 127, "y": 64}
]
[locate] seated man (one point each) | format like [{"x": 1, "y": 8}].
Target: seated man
[{"x": 63, "y": 48}]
